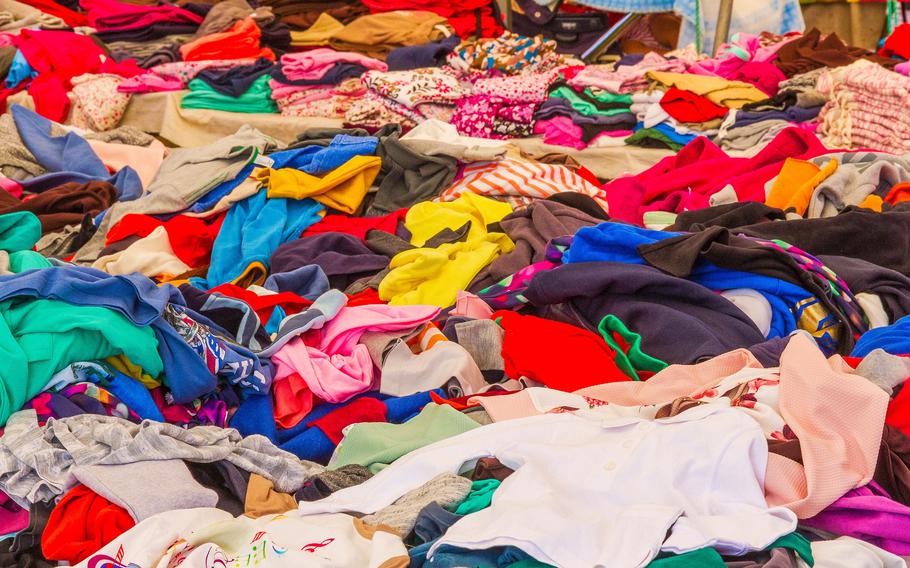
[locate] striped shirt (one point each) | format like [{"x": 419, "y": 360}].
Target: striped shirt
[{"x": 519, "y": 183}]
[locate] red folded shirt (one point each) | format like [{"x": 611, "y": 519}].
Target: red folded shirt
[{"x": 686, "y": 106}]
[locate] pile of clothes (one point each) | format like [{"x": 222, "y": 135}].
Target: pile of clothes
[{"x": 410, "y": 340}]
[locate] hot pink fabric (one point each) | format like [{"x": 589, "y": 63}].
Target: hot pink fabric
[
  {"x": 11, "y": 186},
  {"x": 688, "y": 179},
  {"x": 765, "y": 76},
  {"x": 149, "y": 83},
  {"x": 329, "y": 363},
  {"x": 314, "y": 64},
  {"x": 560, "y": 131},
  {"x": 744, "y": 60}
]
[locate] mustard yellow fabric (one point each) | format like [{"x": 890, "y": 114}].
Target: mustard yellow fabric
[
  {"x": 123, "y": 364},
  {"x": 434, "y": 276},
  {"x": 720, "y": 91},
  {"x": 342, "y": 189},
  {"x": 318, "y": 34},
  {"x": 426, "y": 219},
  {"x": 262, "y": 499}
]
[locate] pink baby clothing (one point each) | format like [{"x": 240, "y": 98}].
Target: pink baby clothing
[
  {"x": 314, "y": 64},
  {"x": 525, "y": 88},
  {"x": 560, "y": 131},
  {"x": 150, "y": 83},
  {"x": 302, "y": 372},
  {"x": 341, "y": 333},
  {"x": 186, "y": 71}
]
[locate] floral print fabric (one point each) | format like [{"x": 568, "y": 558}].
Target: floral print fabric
[
  {"x": 417, "y": 86},
  {"x": 97, "y": 104},
  {"x": 525, "y": 88},
  {"x": 186, "y": 71},
  {"x": 484, "y": 116},
  {"x": 318, "y": 102},
  {"x": 374, "y": 110}
]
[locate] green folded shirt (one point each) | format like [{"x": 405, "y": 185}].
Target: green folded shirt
[
  {"x": 616, "y": 104},
  {"x": 256, "y": 99}
]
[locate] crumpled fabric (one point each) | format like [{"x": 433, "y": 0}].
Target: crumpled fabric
[
  {"x": 35, "y": 461},
  {"x": 332, "y": 365}
]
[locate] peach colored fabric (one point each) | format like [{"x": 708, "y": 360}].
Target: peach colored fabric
[
  {"x": 671, "y": 383},
  {"x": 144, "y": 159},
  {"x": 837, "y": 416}
]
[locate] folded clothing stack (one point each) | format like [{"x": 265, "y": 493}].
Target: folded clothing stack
[
  {"x": 864, "y": 99},
  {"x": 235, "y": 89},
  {"x": 319, "y": 82},
  {"x": 408, "y": 97},
  {"x": 117, "y": 21},
  {"x": 579, "y": 116}
]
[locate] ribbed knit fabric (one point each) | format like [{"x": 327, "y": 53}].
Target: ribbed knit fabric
[{"x": 447, "y": 489}]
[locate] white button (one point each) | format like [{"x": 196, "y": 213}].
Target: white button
[{"x": 610, "y": 466}]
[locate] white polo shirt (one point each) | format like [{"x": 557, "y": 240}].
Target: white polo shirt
[{"x": 593, "y": 491}]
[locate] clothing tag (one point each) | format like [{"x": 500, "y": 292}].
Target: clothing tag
[{"x": 264, "y": 161}]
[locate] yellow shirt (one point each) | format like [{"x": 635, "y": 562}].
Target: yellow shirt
[
  {"x": 342, "y": 189},
  {"x": 426, "y": 219},
  {"x": 433, "y": 276}
]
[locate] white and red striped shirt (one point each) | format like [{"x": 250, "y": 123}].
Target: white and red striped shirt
[{"x": 518, "y": 182}]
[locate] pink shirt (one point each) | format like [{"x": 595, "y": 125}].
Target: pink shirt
[{"x": 314, "y": 64}]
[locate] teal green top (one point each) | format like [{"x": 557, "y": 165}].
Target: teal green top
[
  {"x": 256, "y": 99},
  {"x": 479, "y": 498},
  {"x": 27, "y": 260},
  {"x": 40, "y": 337},
  {"x": 19, "y": 231},
  {"x": 709, "y": 558}
]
